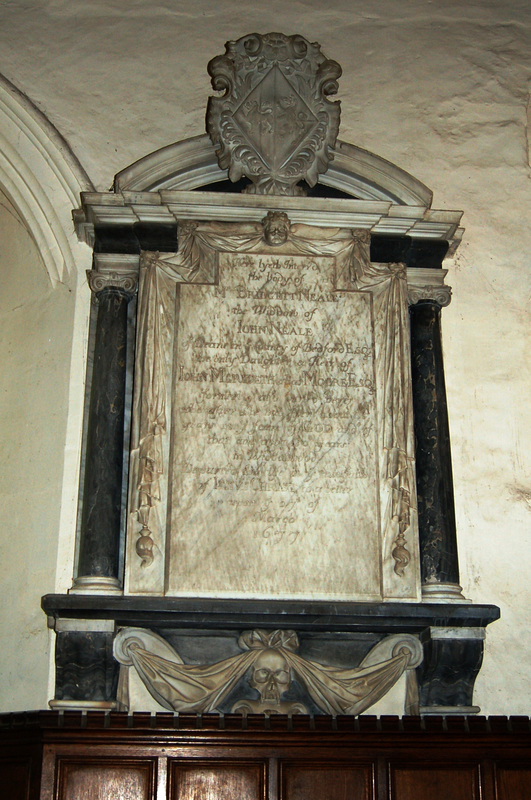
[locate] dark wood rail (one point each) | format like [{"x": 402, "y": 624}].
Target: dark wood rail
[{"x": 92, "y": 755}]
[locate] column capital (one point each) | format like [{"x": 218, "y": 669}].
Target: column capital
[
  {"x": 114, "y": 271},
  {"x": 428, "y": 285},
  {"x": 125, "y": 282}
]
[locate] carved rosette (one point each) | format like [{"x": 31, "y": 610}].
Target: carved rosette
[
  {"x": 125, "y": 282},
  {"x": 274, "y": 122}
]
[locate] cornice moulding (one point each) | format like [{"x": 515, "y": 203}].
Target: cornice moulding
[
  {"x": 166, "y": 207},
  {"x": 426, "y": 277},
  {"x": 116, "y": 263}
]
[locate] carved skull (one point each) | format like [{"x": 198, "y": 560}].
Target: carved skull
[{"x": 271, "y": 676}]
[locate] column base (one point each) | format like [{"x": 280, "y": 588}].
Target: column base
[
  {"x": 96, "y": 584},
  {"x": 443, "y": 593},
  {"x": 448, "y": 711},
  {"x": 83, "y": 705}
]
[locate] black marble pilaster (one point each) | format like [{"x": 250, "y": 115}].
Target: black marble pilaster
[
  {"x": 85, "y": 669},
  {"x": 447, "y": 674},
  {"x": 436, "y": 514},
  {"x": 99, "y": 547}
]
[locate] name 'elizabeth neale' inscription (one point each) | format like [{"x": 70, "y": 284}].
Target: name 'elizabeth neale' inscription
[{"x": 274, "y": 481}]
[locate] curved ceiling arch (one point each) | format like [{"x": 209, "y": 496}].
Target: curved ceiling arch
[
  {"x": 191, "y": 164},
  {"x": 42, "y": 178}
]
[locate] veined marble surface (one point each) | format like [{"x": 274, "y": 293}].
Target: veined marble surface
[{"x": 274, "y": 465}]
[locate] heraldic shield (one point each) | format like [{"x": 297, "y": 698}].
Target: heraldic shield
[{"x": 274, "y": 123}]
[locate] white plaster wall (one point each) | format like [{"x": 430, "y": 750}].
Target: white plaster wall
[
  {"x": 36, "y": 321},
  {"x": 439, "y": 88}
]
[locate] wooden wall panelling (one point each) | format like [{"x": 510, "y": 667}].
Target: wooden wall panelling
[
  {"x": 513, "y": 781},
  {"x": 330, "y": 779},
  {"x": 214, "y": 779},
  {"x": 435, "y": 781},
  {"x": 96, "y": 756},
  {"x": 15, "y": 778},
  {"x": 118, "y": 777},
  {"x": 20, "y": 763}
]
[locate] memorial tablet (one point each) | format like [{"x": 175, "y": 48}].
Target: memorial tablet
[
  {"x": 274, "y": 464},
  {"x": 268, "y": 468}
]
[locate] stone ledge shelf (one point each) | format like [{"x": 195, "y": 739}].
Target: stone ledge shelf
[
  {"x": 341, "y": 633},
  {"x": 318, "y": 616}
]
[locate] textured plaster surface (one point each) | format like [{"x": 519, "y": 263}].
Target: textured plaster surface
[
  {"x": 442, "y": 90},
  {"x": 35, "y": 330}
]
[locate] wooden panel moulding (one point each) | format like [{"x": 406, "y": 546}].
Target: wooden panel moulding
[
  {"x": 100, "y": 779},
  {"x": 144, "y": 756},
  {"x": 217, "y": 780},
  {"x": 435, "y": 781}
]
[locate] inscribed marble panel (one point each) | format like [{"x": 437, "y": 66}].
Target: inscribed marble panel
[{"x": 274, "y": 466}]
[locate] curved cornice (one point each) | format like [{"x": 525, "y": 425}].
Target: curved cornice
[
  {"x": 192, "y": 163},
  {"x": 42, "y": 178}
]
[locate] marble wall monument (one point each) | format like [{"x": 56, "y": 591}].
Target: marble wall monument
[{"x": 289, "y": 535}]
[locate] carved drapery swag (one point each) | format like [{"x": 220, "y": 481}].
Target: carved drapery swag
[
  {"x": 203, "y": 687},
  {"x": 196, "y": 263}
]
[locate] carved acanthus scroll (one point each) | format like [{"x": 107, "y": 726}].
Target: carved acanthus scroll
[
  {"x": 272, "y": 659},
  {"x": 427, "y": 285}
]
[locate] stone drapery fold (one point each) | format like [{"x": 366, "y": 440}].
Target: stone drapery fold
[
  {"x": 202, "y": 688},
  {"x": 196, "y": 262}
]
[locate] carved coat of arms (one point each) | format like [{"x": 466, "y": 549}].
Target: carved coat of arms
[{"x": 274, "y": 123}]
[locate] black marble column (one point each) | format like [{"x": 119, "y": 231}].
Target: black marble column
[
  {"x": 99, "y": 546},
  {"x": 436, "y": 514}
]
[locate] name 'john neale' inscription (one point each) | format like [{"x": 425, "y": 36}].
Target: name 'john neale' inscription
[{"x": 274, "y": 430}]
